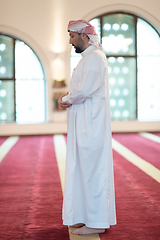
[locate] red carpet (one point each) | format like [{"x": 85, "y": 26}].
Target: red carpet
[
  {"x": 137, "y": 194},
  {"x": 144, "y": 148},
  {"x": 31, "y": 196},
  {"x": 137, "y": 203},
  {"x": 2, "y": 139},
  {"x": 157, "y": 134}
]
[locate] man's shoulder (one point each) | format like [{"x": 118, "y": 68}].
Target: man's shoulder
[
  {"x": 96, "y": 60},
  {"x": 97, "y": 53}
]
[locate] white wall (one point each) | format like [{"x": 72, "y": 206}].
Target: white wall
[{"x": 43, "y": 25}]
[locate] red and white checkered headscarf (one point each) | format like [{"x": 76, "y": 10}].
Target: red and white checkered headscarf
[{"x": 82, "y": 26}]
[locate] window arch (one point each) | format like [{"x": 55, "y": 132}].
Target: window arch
[
  {"x": 132, "y": 47},
  {"x": 22, "y": 83}
]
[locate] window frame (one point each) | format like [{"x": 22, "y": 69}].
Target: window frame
[
  {"x": 126, "y": 56},
  {"x": 14, "y": 77}
]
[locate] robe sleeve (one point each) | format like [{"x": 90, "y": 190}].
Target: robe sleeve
[{"x": 90, "y": 82}]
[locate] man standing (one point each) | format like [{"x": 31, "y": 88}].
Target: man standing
[{"x": 89, "y": 201}]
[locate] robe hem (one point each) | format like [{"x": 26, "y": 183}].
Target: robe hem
[{"x": 91, "y": 225}]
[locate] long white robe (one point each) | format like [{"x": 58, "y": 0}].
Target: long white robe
[{"x": 89, "y": 182}]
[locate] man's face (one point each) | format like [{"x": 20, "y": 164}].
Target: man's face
[{"x": 77, "y": 41}]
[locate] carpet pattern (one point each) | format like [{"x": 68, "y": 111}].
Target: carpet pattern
[
  {"x": 31, "y": 194},
  {"x": 137, "y": 203},
  {"x": 144, "y": 148},
  {"x": 156, "y": 133},
  {"x": 2, "y": 140}
]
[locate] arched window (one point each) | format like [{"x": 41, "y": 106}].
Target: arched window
[
  {"x": 22, "y": 83},
  {"x": 132, "y": 47}
]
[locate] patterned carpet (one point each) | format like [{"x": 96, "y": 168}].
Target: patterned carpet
[{"x": 31, "y": 189}]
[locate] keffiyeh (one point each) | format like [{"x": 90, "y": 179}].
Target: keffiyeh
[{"x": 82, "y": 26}]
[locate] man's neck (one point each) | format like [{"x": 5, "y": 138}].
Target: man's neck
[{"x": 87, "y": 45}]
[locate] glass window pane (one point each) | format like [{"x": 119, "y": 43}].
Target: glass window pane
[
  {"x": 6, "y": 57},
  {"x": 27, "y": 63},
  {"x": 148, "y": 50},
  {"x": 122, "y": 84},
  {"x": 118, "y": 34},
  {"x": 148, "y": 40},
  {"x": 148, "y": 88},
  {"x": 30, "y": 85},
  {"x": 30, "y": 101},
  {"x": 6, "y": 101}
]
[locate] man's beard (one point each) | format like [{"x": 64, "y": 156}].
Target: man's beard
[{"x": 78, "y": 50}]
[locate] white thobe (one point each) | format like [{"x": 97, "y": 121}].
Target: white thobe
[{"x": 89, "y": 182}]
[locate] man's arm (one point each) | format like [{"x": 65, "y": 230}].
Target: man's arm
[{"x": 90, "y": 82}]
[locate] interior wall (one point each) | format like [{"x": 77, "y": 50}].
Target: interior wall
[{"x": 42, "y": 24}]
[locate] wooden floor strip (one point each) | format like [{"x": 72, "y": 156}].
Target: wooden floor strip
[
  {"x": 7, "y": 145},
  {"x": 60, "y": 150},
  {"x": 150, "y": 136},
  {"x": 146, "y": 167}
]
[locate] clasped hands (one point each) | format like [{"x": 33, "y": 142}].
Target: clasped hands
[{"x": 63, "y": 104}]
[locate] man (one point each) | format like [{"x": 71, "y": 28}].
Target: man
[{"x": 89, "y": 201}]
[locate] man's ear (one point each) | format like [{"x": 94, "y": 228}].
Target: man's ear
[{"x": 85, "y": 37}]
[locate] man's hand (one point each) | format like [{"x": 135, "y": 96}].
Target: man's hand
[{"x": 63, "y": 104}]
